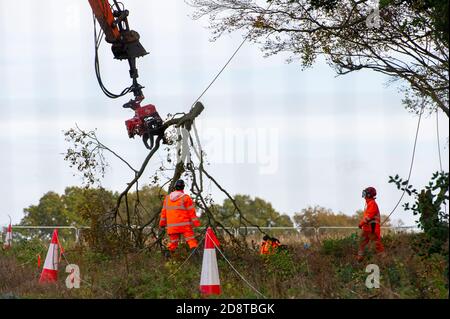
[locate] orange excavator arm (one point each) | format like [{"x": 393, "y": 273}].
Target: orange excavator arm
[
  {"x": 113, "y": 20},
  {"x": 104, "y": 15},
  {"x": 125, "y": 45}
]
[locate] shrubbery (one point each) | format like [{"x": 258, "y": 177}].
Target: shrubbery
[{"x": 324, "y": 270}]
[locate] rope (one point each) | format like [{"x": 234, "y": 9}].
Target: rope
[
  {"x": 62, "y": 253},
  {"x": 221, "y": 70},
  {"x": 226, "y": 64},
  {"x": 242, "y": 277},
  {"x": 98, "y": 39},
  {"x": 183, "y": 150},
  {"x": 68, "y": 263},
  {"x": 439, "y": 149},
  {"x": 85, "y": 281},
  {"x": 185, "y": 261},
  {"x": 437, "y": 135},
  {"x": 410, "y": 167},
  {"x": 198, "y": 152}
]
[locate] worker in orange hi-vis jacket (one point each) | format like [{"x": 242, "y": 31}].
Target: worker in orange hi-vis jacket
[
  {"x": 178, "y": 215},
  {"x": 269, "y": 245},
  {"x": 370, "y": 224}
]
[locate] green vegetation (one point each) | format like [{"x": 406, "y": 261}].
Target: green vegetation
[
  {"x": 257, "y": 211},
  {"x": 320, "y": 216},
  {"x": 433, "y": 220},
  {"x": 415, "y": 265},
  {"x": 325, "y": 270},
  {"x": 406, "y": 40}
]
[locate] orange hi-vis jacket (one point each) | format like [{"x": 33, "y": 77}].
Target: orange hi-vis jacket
[
  {"x": 371, "y": 217},
  {"x": 268, "y": 247},
  {"x": 178, "y": 213}
]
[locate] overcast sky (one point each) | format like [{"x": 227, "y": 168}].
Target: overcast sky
[{"x": 309, "y": 138}]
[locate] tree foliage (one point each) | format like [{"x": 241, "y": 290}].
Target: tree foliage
[
  {"x": 144, "y": 205},
  {"x": 430, "y": 205},
  {"x": 410, "y": 43},
  {"x": 256, "y": 210},
  {"x": 318, "y": 216},
  {"x": 73, "y": 208},
  {"x": 81, "y": 206}
]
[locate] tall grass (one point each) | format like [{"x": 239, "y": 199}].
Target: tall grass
[{"x": 324, "y": 269}]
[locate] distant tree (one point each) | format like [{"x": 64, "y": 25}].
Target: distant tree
[
  {"x": 319, "y": 216},
  {"x": 94, "y": 207},
  {"x": 147, "y": 207},
  {"x": 384, "y": 218},
  {"x": 74, "y": 208},
  {"x": 257, "y": 211},
  {"x": 50, "y": 211},
  {"x": 78, "y": 205},
  {"x": 76, "y": 201},
  {"x": 409, "y": 41}
]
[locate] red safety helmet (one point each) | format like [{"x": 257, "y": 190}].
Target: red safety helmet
[{"x": 370, "y": 192}]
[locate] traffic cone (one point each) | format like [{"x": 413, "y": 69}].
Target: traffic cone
[
  {"x": 209, "y": 281},
  {"x": 50, "y": 271},
  {"x": 8, "y": 238}
]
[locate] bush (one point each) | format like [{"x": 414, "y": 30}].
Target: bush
[
  {"x": 326, "y": 270},
  {"x": 340, "y": 247}
]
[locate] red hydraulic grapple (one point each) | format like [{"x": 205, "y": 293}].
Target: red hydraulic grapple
[{"x": 146, "y": 123}]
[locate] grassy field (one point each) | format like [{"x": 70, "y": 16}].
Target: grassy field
[{"x": 325, "y": 269}]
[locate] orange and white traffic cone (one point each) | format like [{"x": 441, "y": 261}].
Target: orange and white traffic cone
[
  {"x": 8, "y": 238},
  {"x": 50, "y": 271},
  {"x": 209, "y": 281}
]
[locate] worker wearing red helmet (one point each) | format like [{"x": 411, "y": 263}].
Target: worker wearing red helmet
[
  {"x": 178, "y": 215},
  {"x": 370, "y": 223}
]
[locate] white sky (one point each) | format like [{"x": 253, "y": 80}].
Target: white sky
[{"x": 313, "y": 139}]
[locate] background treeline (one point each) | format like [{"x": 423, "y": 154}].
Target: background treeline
[{"x": 79, "y": 206}]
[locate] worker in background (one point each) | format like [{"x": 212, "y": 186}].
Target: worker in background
[
  {"x": 269, "y": 245},
  {"x": 370, "y": 224},
  {"x": 178, "y": 215}
]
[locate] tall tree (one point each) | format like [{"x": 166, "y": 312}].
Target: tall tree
[{"x": 409, "y": 41}]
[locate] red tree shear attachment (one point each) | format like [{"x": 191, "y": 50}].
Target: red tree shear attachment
[{"x": 146, "y": 122}]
